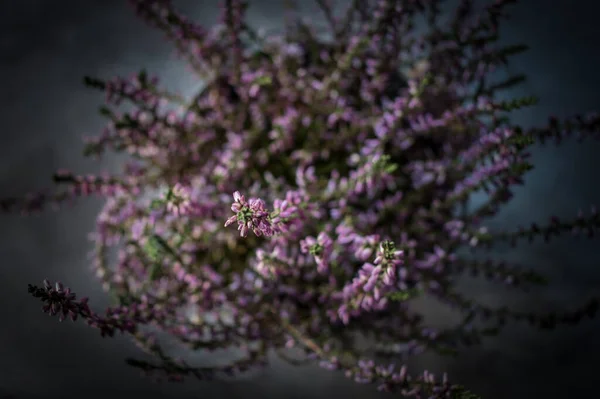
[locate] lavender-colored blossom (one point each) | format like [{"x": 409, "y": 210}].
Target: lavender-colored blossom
[
  {"x": 250, "y": 215},
  {"x": 179, "y": 200},
  {"x": 320, "y": 248}
]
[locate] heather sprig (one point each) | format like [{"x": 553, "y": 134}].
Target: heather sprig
[{"x": 345, "y": 162}]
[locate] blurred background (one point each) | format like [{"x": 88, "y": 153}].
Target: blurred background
[{"x": 45, "y": 49}]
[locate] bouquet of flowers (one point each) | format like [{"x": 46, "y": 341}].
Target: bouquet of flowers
[{"x": 312, "y": 189}]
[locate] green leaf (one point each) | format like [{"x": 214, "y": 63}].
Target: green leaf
[
  {"x": 391, "y": 168},
  {"x": 263, "y": 81},
  {"x": 518, "y": 103},
  {"x": 122, "y": 125},
  {"x": 164, "y": 245},
  {"x": 402, "y": 295},
  {"x": 153, "y": 249},
  {"x": 143, "y": 77},
  {"x": 156, "y": 204},
  {"x": 57, "y": 178},
  {"x": 179, "y": 239},
  {"x": 521, "y": 140},
  {"x": 90, "y": 149},
  {"x": 508, "y": 83},
  {"x": 521, "y": 168},
  {"x": 514, "y": 49},
  {"x": 94, "y": 83},
  {"x": 105, "y": 111},
  {"x": 155, "y": 272},
  {"x": 427, "y": 80}
]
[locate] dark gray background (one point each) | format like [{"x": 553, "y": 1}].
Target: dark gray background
[{"x": 46, "y": 47}]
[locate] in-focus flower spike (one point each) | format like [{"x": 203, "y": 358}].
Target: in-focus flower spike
[{"x": 250, "y": 215}]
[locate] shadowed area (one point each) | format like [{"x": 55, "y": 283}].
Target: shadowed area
[{"x": 47, "y": 47}]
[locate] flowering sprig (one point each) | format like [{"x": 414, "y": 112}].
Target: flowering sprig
[
  {"x": 321, "y": 248},
  {"x": 357, "y": 157},
  {"x": 250, "y": 215},
  {"x": 59, "y": 300},
  {"x": 178, "y": 200}
]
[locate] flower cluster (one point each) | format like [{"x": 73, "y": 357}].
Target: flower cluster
[
  {"x": 250, "y": 215},
  {"x": 357, "y": 151}
]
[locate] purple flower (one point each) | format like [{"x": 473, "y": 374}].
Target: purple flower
[
  {"x": 250, "y": 215},
  {"x": 179, "y": 200}
]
